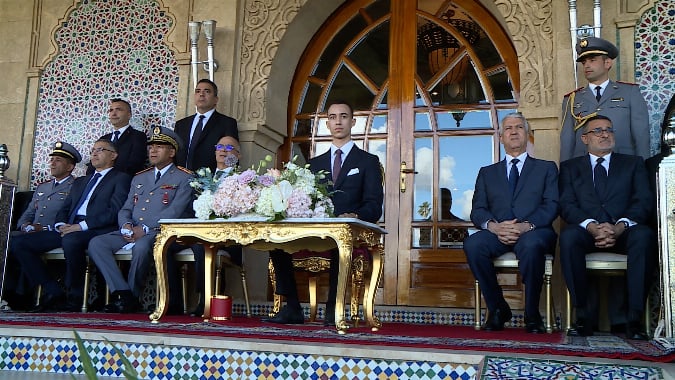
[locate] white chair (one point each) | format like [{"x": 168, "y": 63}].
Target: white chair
[
  {"x": 610, "y": 264},
  {"x": 509, "y": 261}
]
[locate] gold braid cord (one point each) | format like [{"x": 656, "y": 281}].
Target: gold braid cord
[{"x": 580, "y": 120}]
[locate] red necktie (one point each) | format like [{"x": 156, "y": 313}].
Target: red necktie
[{"x": 337, "y": 164}]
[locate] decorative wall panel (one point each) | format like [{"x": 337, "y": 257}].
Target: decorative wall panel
[
  {"x": 106, "y": 49},
  {"x": 655, "y": 62}
]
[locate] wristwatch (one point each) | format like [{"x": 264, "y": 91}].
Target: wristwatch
[{"x": 625, "y": 224}]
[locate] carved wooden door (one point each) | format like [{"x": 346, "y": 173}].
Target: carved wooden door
[{"x": 428, "y": 81}]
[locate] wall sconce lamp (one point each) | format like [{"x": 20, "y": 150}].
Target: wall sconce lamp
[{"x": 210, "y": 65}]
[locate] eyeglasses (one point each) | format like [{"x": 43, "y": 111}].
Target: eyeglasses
[
  {"x": 227, "y": 148},
  {"x": 599, "y": 131},
  {"x": 99, "y": 150}
]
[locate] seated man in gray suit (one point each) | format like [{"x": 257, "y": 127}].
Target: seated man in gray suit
[
  {"x": 160, "y": 192},
  {"x": 514, "y": 203}
]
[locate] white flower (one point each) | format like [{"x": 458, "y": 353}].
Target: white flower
[{"x": 203, "y": 205}]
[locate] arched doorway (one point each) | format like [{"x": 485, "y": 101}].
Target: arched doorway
[{"x": 429, "y": 81}]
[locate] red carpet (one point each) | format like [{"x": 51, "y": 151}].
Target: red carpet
[{"x": 435, "y": 337}]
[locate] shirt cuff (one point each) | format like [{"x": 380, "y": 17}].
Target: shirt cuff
[
  {"x": 83, "y": 225},
  {"x": 630, "y": 222},
  {"x": 586, "y": 222}
]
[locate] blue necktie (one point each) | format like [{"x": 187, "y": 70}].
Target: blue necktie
[
  {"x": 85, "y": 193},
  {"x": 600, "y": 177},
  {"x": 513, "y": 175},
  {"x": 193, "y": 142},
  {"x": 116, "y": 137}
]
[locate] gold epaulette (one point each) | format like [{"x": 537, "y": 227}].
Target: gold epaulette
[
  {"x": 186, "y": 170},
  {"x": 580, "y": 121},
  {"x": 572, "y": 92},
  {"x": 145, "y": 170},
  {"x": 629, "y": 83}
]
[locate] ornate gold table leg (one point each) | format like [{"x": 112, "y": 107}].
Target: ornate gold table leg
[
  {"x": 371, "y": 288},
  {"x": 345, "y": 257},
  {"x": 162, "y": 242}
]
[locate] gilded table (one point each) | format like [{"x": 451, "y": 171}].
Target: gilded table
[{"x": 290, "y": 235}]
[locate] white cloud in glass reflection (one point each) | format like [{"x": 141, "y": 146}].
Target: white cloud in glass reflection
[{"x": 465, "y": 204}]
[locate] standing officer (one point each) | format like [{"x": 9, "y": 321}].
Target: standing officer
[
  {"x": 160, "y": 192},
  {"x": 621, "y": 102}
]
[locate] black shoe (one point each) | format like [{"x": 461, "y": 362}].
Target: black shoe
[
  {"x": 497, "y": 318},
  {"x": 49, "y": 302},
  {"x": 617, "y": 328},
  {"x": 125, "y": 303},
  {"x": 73, "y": 303},
  {"x": 198, "y": 311},
  {"x": 287, "y": 316},
  {"x": 534, "y": 324},
  {"x": 581, "y": 328},
  {"x": 635, "y": 332},
  {"x": 329, "y": 319}
]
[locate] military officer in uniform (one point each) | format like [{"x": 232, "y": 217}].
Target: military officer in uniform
[
  {"x": 49, "y": 196},
  {"x": 159, "y": 192},
  {"x": 621, "y": 102},
  {"x": 40, "y": 215}
]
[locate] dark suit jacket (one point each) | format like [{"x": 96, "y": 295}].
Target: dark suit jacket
[
  {"x": 361, "y": 192},
  {"x": 218, "y": 126},
  {"x": 627, "y": 196},
  {"x": 132, "y": 151},
  {"x": 104, "y": 204},
  {"x": 535, "y": 199}
]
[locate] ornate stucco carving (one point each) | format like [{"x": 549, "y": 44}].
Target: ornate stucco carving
[
  {"x": 531, "y": 28},
  {"x": 264, "y": 24}
]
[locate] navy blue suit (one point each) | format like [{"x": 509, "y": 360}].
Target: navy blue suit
[
  {"x": 535, "y": 200},
  {"x": 132, "y": 151},
  {"x": 219, "y": 125},
  {"x": 628, "y": 196},
  {"x": 358, "y": 189},
  {"x": 104, "y": 204}
]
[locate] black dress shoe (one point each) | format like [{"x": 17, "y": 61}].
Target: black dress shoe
[
  {"x": 635, "y": 332},
  {"x": 534, "y": 324},
  {"x": 497, "y": 318},
  {"x": 49, "y": 302},
  {"x": 198, "y": 311},
  {"x": 581, "y": 328},
  {"x": 287, "y": 316},
  {"x": 122, "y": 305}
]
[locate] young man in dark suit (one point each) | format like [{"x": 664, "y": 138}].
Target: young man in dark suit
[
  {"x": 90, "y": 209},
  {"x": 358, "y": 193},
  {"x": 514, "y": 203},
  {"x": 607, "y": 204},
  {"x": 131, "y": 152},
  {"x": 201, "y": 131}
]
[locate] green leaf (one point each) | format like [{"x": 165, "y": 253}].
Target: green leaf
[{"x": 85, "y": 359}]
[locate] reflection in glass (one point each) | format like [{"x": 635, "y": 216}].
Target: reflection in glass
[
  {"x": 424, "y": 179},
  {"x": 479, "y": 119},
  {"x": 421, "y": 237},
  {"x": 322, "y": 128},
  {"x": 302, "y": 150},
  {"x": 347, "y": 87},
  {"x": 360, "y": 125},
  {"x": 337, "y": 45},
  {"x": 452, "y": 237},
  {"x": 303, "y": 128},
  {"x": 379, "y": 148},
  {"x": 501, "y": 87},
  {"x": 445, "y": 210},
  {"x": 321, "y": 147},
  {"x": 422, "y": 121},
  {"x": 460, "y": 158},
  {"x": 311, "y": 99},
  {"x": 379, "y": 124},
  {"x": 383, "y": 103},
  {"x": 371, "y": 55}
]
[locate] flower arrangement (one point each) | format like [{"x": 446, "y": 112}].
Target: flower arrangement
[{"x": 294, "y": 192}]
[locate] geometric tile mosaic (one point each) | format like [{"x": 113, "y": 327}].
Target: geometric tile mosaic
[
  {"x": 162, "y": 362},
  {"x": 655, "y": 62},
  {"x": 525, "y": 369},
  {"x": 106, "y": 49}
]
